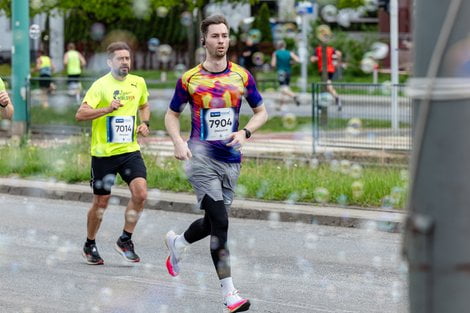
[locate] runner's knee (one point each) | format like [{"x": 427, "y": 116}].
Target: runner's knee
[
  {"x": 101, "y": 201},
  {"x": 139, "y": 196}
]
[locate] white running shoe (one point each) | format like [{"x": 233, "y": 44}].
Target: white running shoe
[
  {"x": 175, "y": 255},
  {"x": 235, "y": 303}
]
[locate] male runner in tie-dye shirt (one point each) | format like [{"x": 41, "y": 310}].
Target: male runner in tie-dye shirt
[
  {"x": 214, "y": 90},
  {"x": 215, "y": 99}
]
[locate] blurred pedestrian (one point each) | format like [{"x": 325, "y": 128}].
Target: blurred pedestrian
[
  {"x": 331, "y": 58},
  {"x": 45, "y": 67},
  {"x": 74, "y": 62},
  {"x": 248, "y": 52},
  {"x": 282, "y": 60}
]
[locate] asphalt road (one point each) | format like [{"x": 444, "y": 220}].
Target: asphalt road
[{"x": 281, "y": 267}]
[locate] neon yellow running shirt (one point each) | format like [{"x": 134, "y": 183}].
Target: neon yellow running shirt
[
  {"x": 115, "y": 133},
  {"x": 73, "y": 63},
  {"x": 46, "y": 65},
  {"x": 2, "y": 85}
]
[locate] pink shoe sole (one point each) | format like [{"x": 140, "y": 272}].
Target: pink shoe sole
[
  {"x": 169, "y": 267},
  {"x": 241, "y": 306}
]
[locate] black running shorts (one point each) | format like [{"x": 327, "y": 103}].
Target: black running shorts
[{"x": 104, "y": 170}]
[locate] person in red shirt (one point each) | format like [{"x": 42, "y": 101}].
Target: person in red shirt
[{"x": 332, "y": 57}]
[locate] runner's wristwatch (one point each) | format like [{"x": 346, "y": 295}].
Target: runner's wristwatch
[
  {"x": 247, "y": 133},
  {"x": 146, "y": 123}
]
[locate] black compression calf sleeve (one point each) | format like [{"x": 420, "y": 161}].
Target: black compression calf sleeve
[
  {"x": 199, "y": 229},
  {"x": 218, "y": 217}
]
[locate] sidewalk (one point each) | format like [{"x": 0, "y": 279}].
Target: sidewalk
[{"x": 370, "y": 219}]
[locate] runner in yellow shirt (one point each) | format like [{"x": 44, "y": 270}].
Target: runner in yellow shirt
[
  {"x": 5, "y": 103},
  {"x": 74, "y": 62},
  {"x": 45, "y": 67},
  {"x": 112, "y": 103}
]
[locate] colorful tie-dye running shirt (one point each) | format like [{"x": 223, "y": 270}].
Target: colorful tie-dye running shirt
[{"x": 215, "y": 100}]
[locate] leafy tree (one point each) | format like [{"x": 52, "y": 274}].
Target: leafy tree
[
  {"x": 262, "y": 23},
  {"x": 342, "y": 4},
  {"x": 107, "y": 10}
]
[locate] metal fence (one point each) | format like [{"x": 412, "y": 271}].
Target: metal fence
[
  {"x": 363, "y": 117},
  {"x": 52, "y": 110}
]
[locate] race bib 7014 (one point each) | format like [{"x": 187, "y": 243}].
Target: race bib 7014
[
  {"x": 120, "y": 129},
  {"x": 217, "y": 124}
]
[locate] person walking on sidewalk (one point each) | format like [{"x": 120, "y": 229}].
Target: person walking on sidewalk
[
  {"x": 5, "y": 103},
  {"x": 112, "y": 103},
  {"x": 281, "y": 60},
  {"x": 214, "y": 90}
]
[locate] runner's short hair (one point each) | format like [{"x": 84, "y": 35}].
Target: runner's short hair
[
  {"x": 118, "y": 45},
  {"x": 281, "y": 44},
  {"x": 212, "y": 20}
]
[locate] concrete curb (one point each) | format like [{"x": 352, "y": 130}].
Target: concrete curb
[{"x": 379, "y": 220}]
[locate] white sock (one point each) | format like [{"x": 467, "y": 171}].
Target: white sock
[
  {"x": 227, "y": 285},
  {"x": 180, "y": 242}
]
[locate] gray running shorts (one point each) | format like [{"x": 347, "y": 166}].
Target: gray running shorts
[{"x": 213, "y": 178}]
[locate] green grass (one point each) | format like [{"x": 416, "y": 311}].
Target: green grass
[{"x": 288, "y": 181}]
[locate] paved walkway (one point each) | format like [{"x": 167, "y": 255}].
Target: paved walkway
[{"x": 376, "y": 219}]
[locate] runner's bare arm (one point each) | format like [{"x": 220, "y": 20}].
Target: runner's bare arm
[
  {"x": 273, "y": 60},
  {"x": 294, "y": 57},
  {"x": 86, "y": 112},
  {"x": 259, "y": 117},
  {"x": 144, "y": 115},
  {"x": 172, "y": 124},
  {"x": 82, "y": 60},
  {"x": 7, "y": 106}
]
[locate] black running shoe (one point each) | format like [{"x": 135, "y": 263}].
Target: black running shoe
[
  {"x": 126, "y": 249},
  {"x": 338, "y": 103},
  {"x": 91, "y": 255},
  {"x": 297, "y": 101}
]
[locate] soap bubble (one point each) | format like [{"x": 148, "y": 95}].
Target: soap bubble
[
  {"x": 289, "y": 121},
  {"x": 162, "y": 11},
  {"x": 354, "y": 126},
  {"x": 321, "y": 194},
  {"x": 255, "y": 35},
  {"x": 368, "y": 65},
  {"x": 153, "y": 44},
  {"x": 34, "y": 31},
  {"x": 186, "y": 19},
  {"x": 329, "y": 12},
  {"x": 258, "y": 58},
  {"x": 97, "y": 31}
]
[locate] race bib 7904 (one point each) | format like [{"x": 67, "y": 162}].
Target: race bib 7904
[
  {"x": 120, "y": 129},
  {"x": 217, "y": 124}
]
